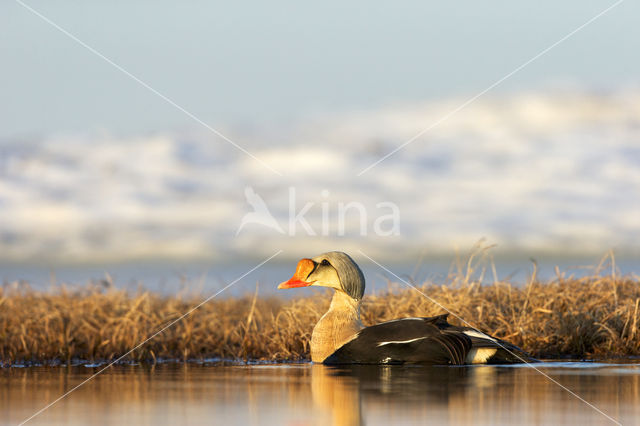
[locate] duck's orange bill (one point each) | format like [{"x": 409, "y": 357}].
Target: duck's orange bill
[{"x": 304, "y": 268}]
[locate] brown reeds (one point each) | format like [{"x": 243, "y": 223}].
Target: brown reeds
[{"x": 591, "y": 317}]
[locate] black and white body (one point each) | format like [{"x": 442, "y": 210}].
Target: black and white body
[{"x": 340, "y": 338}]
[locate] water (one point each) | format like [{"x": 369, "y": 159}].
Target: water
[{"x": 305, "y": 394}]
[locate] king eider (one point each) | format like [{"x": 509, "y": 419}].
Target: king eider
[{"x": 340, "y": 338}]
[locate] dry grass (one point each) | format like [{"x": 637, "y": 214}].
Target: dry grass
[{"x": 591, "y": 317}]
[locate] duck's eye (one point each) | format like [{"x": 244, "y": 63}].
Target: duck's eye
[{"x": 325, "y": 262}]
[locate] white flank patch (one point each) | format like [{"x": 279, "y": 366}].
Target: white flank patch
[
  {"x": 394, "y": 342},
  {"x": 480, "y": 355},
  {"x": 474, "y": 333}
]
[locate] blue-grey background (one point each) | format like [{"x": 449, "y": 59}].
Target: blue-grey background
[{"x": 96, "y": 170}]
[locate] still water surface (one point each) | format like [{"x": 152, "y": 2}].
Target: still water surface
[{"x": 305, "y": 394}]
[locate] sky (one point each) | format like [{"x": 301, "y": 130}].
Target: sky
[
  {"x": 237, "y": 65},
  {"x": 96, "y": 167}
]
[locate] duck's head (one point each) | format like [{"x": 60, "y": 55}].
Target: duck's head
[{"x": 334, "y": 269}]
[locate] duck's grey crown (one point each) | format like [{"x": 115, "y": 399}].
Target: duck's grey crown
[{"x": 351, "y": 277}]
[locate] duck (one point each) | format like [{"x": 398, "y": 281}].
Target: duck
[{"x": 339, "y": 337}]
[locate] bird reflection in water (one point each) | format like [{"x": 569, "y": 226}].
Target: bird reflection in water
[
  {"x": 314, "y": 394},
  {"x": 395, "y": 391},
  {"x": 336, "y": 393}
]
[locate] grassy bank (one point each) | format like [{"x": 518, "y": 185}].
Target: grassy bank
[{"x": 591, "y": 317}]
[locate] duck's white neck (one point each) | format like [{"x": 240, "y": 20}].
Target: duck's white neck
[{"x": 337, "y": 327}]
